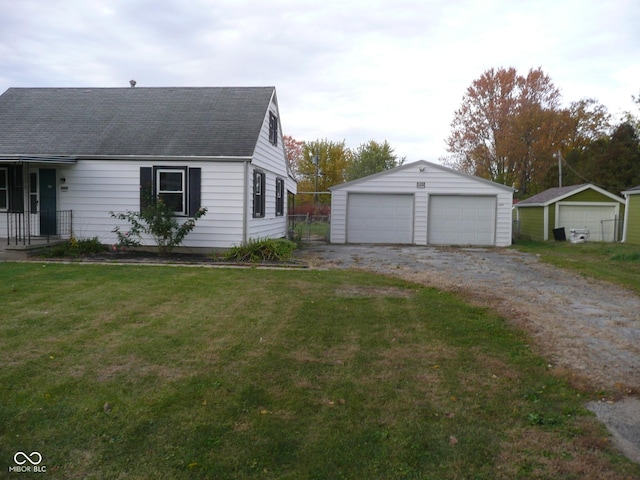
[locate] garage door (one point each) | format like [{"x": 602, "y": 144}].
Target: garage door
[
  {"x": 598, "y": 219},
  {"x": 461, "y": 220},
  {"x": 379, "y": 218}
]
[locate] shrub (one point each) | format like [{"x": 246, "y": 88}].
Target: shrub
[
  {"x": 158, "y": 221},
  {"x": 262, "y": 250},
  {"x": 75, "y": 248}
]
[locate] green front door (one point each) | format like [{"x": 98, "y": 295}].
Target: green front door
[{"x": 48, "y": 207}]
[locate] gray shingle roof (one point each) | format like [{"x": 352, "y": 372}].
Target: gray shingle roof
[
  {"x": 223, "y": 121},
  {"x": 550, "y": 194}
]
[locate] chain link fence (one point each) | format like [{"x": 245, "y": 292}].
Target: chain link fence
[{"x": 306, "y": 228}]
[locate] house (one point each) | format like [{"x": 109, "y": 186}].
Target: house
[
  {"x": 631, "y": 232},
  {"x": 575, "y": 207},
  {"x": 70, "y": 156},
  {"x": 421, "y": 203}
]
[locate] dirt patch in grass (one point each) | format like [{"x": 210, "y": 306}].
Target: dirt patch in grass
[{"x": 352, "y": 291}]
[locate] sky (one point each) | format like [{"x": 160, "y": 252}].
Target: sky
[{"x": 345, "y": 70}]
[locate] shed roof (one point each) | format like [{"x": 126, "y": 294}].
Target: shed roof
[
  {"x": 172, "y": 121},
  {"x": 556, "y": 194},
  {"x": 631, "y": 191}
]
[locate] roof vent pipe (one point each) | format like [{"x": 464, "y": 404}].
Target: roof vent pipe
[{"x": 132, "y": 83}]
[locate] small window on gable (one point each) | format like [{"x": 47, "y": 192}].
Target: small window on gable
[
  {"x": 273, "y": 129},
  {"x": 4, "y": 189},
  {"x": 258, "y": 193},
  {"x": 279, "y": 196}
]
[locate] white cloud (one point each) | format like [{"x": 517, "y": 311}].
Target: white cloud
[{"x": 353, "y": 71}]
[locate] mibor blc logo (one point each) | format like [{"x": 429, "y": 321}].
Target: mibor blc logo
[{"x": 27, "y": 463}]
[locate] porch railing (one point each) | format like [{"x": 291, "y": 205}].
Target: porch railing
[{"x": 24, "y": 227}]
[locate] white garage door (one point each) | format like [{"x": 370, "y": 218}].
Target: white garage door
[
  {"x": 379, "y": 218},
  {"x": 598, "y": 219},
  {"x": 462, "y": 220}
]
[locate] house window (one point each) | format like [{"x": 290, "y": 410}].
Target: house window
[
  {"x": 258, "y": 193},
  {"x": 171, "y": 188},
  {"x": 279, "y": 196},
  {"x": 4, "y": 189},
  {"x": 273, "y": 129},
  {"x": 178, "y": 187}
]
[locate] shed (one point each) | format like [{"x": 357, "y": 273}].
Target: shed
[
  {"x": 631, "y": 231},
  {"x": 575, "y": 207},
  {"x": 421, "y": 203}
]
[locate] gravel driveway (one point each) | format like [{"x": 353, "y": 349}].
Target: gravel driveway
[{"x": 588, "y": 327}]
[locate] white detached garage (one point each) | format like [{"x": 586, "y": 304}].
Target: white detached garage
[{"x": 421, "y": 203}]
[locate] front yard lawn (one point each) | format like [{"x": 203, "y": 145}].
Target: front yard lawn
[{"x": 143, "y": 372}]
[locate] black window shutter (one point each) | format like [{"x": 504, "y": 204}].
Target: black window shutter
[
  {"x": 146, "y": 187},
  {"x": 16, "y": 189},
  {"x": 194, "y": 190}
]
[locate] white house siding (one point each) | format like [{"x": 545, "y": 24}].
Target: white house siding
[
  {"x": 422, "y": 179},
  {"x": 272, "y": 161},
  {"x": 96, "y": 187}
]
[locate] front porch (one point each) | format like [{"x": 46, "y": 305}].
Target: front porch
[{"x": 30, "y": 230}]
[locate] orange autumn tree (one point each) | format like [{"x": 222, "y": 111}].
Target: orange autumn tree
[{"x": 509, "y": 126}]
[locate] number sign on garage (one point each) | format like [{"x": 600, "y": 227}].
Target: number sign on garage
[
  {"x": 379, "y": 218},
  {"x": 462, "y": 220}
]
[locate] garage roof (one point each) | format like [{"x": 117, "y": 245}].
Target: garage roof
[
  {"x": 557, "y": 194},
  {"x": 419, "y": 163}
]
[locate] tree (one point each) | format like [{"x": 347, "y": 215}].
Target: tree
[
  {"x": 372, "y": 157},
  {"x": 509, "y": 126},
  {"x": 480, "y": 126},
  {"x": 293, "y": 149},
  {"x": 610, "y": 162},
  {"x": 324, "y": 164},
  {"x": 631, "y": 117}
]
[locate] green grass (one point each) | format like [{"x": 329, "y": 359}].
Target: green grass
[
  {"x": 229, "y": 373},
  {"x": 614, "y": 262}
]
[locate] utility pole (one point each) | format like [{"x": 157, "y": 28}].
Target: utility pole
[
  {"x": 316, "y": 162},
  {"x": 559, "y": 168},
  {"x": 558, "y": 154}
]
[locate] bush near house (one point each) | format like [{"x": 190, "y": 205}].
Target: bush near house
[
  {"x": 75, "y": 248},
  {"x": 262, "y": 250},
  {"x": 158, "y": 221}
]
